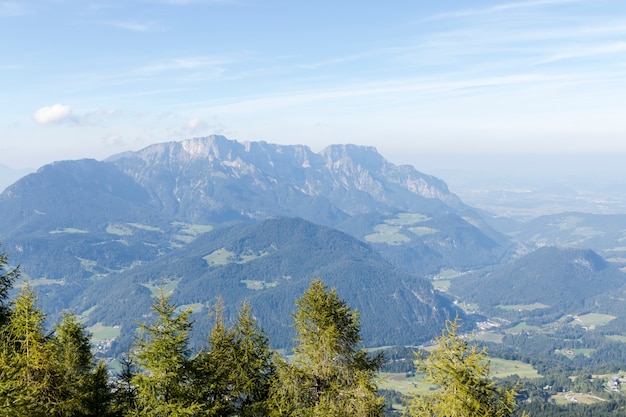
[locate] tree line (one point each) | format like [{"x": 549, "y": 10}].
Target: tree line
[{"x": 234, "y": 374}]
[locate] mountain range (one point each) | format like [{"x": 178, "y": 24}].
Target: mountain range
[
  {"x": 87, "y": 232},
  {"x": 253, "y": 221}
]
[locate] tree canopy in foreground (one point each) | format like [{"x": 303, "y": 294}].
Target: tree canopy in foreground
[{"x": 461, "y": 371}]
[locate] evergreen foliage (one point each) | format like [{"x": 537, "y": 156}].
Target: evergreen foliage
[
  {"x": 465, "y": 388},
  {"x": 563, "y": 279},
  {"x": 48, "y": 375},
  {"x": 234, "y": 374},
  {"x": 7, "y": 278},
  {"x": 83, "y": 384},
  {"x": 236, "y": 368},
  {"x": 331, "y": 375},
  {"x": 27, "y": 383},
  {"x": 162, "y": 355}
]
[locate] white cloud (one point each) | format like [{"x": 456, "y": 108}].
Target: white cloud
[
  {"x": 57, "y": 113},
  {"x": 112, "y": 139},
  {"x": 196, "y": 126},
  {"x": 62, "y": 114},
  {"x": 193, "y": 123}
]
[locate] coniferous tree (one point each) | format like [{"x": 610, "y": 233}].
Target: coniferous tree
[
  {"x": 235, "y": 370},
  {"x": 164, "y": 380},
  {"x": 7, "y": 278},
  {"x": 465, "y": 388},
  {"x": 124, "y": 393},
  {"x": 253, "y": 366},
  {"x": 331, "y": 374},
  {"x": 212, "y": 367},
  {"x": 27, "y": 377},
  {"x": 82, "y": 383}
]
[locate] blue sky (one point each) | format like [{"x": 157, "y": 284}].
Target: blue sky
[{"x": 82, "y": 78}]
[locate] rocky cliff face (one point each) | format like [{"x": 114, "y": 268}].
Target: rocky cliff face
[{"x": 214, "y": 178}]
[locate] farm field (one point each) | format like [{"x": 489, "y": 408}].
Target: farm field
[
  {"x": 488, "y": 337},
  {"x": 407, "y": 385},
  {"x": 592, "y": 320},
  {"x": 100, "y": 332},
  {"x": 521, "y": 327},
  {"x": 564, "y": 398},
  {"x": 501, "y": 368},
  {"x": 523, "y": 307},
  {"x": 412, "y": 384},
  {"x": 166, "y": 287}
]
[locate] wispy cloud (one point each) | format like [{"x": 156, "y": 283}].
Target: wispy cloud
[
  {"x": 412, "y": 89},
  {"x": 134, "y": 26},
  {"x": 186, "y": 2},
  {"x": 183, "y": 64},
  {"x": 503, "y": 8},
  {"x": 12, "y": 9},
  {"x": 112, "y": 139},
  {"x": 589, "y": 51}
]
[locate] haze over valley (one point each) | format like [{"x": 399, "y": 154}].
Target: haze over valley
[{"x": 190, "y": 187}]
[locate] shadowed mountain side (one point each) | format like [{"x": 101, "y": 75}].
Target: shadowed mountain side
[
  {"x": 75, "y": 222},
  {"x": 426, "y": 243},
  {"x": 564, "y": 279},
  {"x": 73, "y": 194},
  {"x": 270, "y": 264}
]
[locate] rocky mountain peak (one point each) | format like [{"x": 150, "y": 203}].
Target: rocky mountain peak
[{"x": 215, "y": 171}]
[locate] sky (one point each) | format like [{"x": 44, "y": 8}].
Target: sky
[{"x": 87, "y": 78}]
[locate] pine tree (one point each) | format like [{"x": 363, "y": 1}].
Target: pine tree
[
  {"x": 235, "y": 370},
  {"x": 7, "y": 278},
  {"x": 82, "y": 383},
  {"x": 461, "y": 371},
  {"x": 164, "y": 380},
  {"x": 331, "y": 374},
  {"x": 253, "y": 366},
  {"x": 124, "y": 393},
  {"x": 212, "y": 367},
  {"x": 27, "y": 383}
]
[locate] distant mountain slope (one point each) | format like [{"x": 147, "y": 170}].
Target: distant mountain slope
[
  {"x": 58, "y": 219},
  {"x": 270, "y": 264},
  {"x": 9, "y": 175},
  {"x": 564, "y": 279},
  {"x": 604, "y": 233},
  {"x": 73, "y": 223},
  {"x": 72, "y": 194},
  {"x": 426, "y": 242}
]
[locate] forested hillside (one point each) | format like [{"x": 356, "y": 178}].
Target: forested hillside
[
  {"x": 563, "y": 280},
  {"x": 121, "y": 227},
  {"x": 234, "y": 373},
  {"x": 268, "y": 265}
]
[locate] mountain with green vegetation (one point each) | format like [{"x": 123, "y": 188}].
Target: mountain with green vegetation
[
  {"x": 427, "y": 242},
  {"x": 74, "y": 223},
  {"x": 9, "y": 175},
  {"x": 553, "y": 279},
  {"x": 269, "y": 264},
  {"x": 604, "y": 233}
]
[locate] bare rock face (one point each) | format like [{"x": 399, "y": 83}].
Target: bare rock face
[{"x": 215, "y": 178}]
